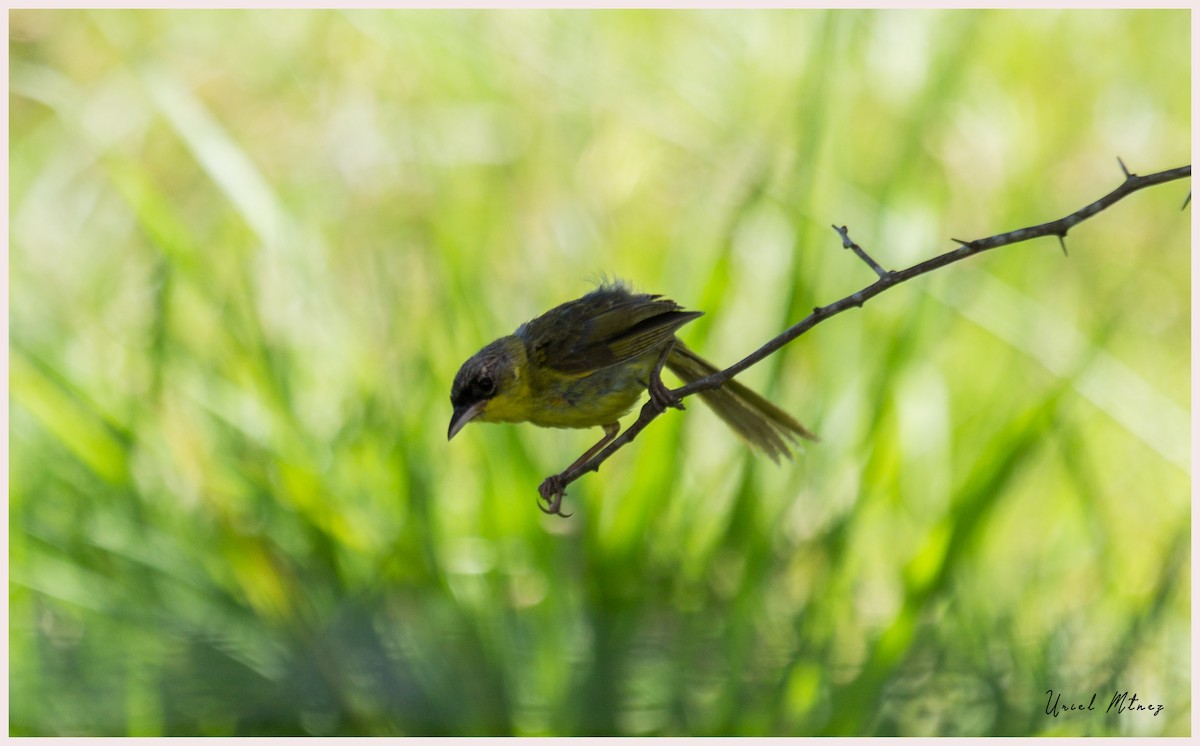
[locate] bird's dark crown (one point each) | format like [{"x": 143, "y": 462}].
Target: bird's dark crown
[{"x": 481, "y": 376}]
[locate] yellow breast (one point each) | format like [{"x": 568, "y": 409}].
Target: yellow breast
[{"x": 551, "y": 399}]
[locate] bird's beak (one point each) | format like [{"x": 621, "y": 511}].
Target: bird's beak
[{"x": 463, "y": 415}]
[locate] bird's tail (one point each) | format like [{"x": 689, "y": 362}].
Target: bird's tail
[{"x": 751, "y": 416}]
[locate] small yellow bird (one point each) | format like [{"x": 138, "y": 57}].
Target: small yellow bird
[{"x": 586, "y": 363}]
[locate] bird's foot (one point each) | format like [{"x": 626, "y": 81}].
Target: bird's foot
[
  {"x": 662, "y": 396},
  {"x": 552, "y": 491}
]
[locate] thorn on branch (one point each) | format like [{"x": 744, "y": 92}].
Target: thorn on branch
[
  {"x": 1186, "y": 200},
  {"x": 1062, "y": 241},
  {"x": 1124, "y": 170},
  {"x": 964, "y": 244},
  {"x": 849, "y": 244}
]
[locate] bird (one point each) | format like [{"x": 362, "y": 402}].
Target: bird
[{"x": 586, "y": 362}]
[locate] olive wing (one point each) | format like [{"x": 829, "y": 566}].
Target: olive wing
[{"x": 602, "y": 329}]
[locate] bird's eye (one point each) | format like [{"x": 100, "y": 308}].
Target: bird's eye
[{"x": 487, "y": 386}]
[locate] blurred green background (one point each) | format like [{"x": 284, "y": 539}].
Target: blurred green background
[{"x": 249, "y": 250}]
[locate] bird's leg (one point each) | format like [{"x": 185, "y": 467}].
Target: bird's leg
[
  {"x": 662, "y": 396},
  {"x": 610, "y": 432},
  {"x": 552, "y": 490}
]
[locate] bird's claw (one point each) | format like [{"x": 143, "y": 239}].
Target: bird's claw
[
  {"x": 662, "y": 396},
  {"x": 552, "y": 491}
]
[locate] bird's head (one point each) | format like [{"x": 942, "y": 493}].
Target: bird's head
[{"x": 489, "y": 386}]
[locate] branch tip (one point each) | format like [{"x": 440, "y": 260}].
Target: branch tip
[
  {"x": 847, "y": 243},
  {"x": 844, "y": 232}
]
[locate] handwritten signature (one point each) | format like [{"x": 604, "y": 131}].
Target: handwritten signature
[{"x": 1121, "y": 702}]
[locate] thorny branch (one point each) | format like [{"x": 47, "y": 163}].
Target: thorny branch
[{"x": 887, "y": 279}]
